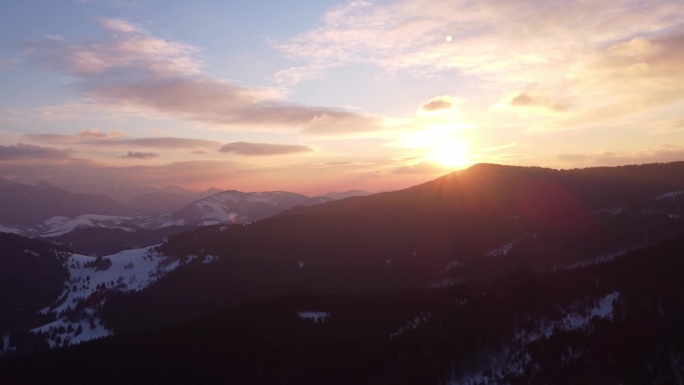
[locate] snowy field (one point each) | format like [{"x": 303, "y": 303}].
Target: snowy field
[{"x": 77, "y": 308}]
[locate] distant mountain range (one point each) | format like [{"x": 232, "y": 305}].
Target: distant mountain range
[
  {"x": 47, "y": 211},
  {"x": 22, "y": 204}
]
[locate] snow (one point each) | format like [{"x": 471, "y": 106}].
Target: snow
[
  {"x": 670, "y": 195},
  {"x": 257, "y": 198},
  {"x": 4, "y": 229},
  {"x": 501, "y": 251},
  {"x": 209, "y": 259},
  {"x": 5, "y": 343},
  {"x": 611, "y": 211},
  {"x": 130, "y": 270},
  {"x": 314, "y": 315},
  {"x": 446, "y": 282},
  {"x": 72, "y": 338},
  {"x": 572, "y": 320},
  {"x": 56, "y": 226},
  {"x": 413, "y": 323},
  {"x": 510, "y": 360},
  {"x": 453, "y": 264},
  {"x": 602, "y": 258}
]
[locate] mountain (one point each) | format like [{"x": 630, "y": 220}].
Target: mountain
[
  {"x": 22, "y": 204},
  {"x": 127, "y": 192},
  {"x": 483, "y": 222},
  {"x": 240, "y": 207},
  {"x": 617, "y": 322},
  {"x": 494, "y": 274},
  {"x": 162, "y": 202},
  {"x": 51, "y": 297}
]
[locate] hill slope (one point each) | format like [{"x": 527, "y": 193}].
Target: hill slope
[
  {"x": 617, "y": 322},
  {"x": 486, "y": 221}
]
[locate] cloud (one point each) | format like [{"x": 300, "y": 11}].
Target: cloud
[
  {"x": 29, "y": 151},
  {"x": 132, "y": 70},
  {"x": 100, "y": 135},
  {"x": 492, "y": 38},
  {"x": 440, "y": 104},
  {"x": 667, "y": 126},
  {"x": 264, "y": 149},
  {"x": 140, "y": 155},
  {"x": 76, "y": 172},
  {"x": 115, "y": 139},
  {"x": 436, "y": 104},
  {"x": 660, "y": 154},
  {"x": 624, "y": 59},
  {"x": 529, "y": 100}
]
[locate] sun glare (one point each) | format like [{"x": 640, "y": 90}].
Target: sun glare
[
  {"x": 451, "y": 154},
  {"x": 439, "y": 144}
]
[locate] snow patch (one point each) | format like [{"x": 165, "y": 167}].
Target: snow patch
[
  {"x": 501, "y": 251},
  {"x": 413, "y": 323},
  {"x": 574, "y": 319},
  {"x": 315, "y": 316},
  {"x": 610, "y": 211},
  {"x": 77, "y": 308},
  {"x": 671, "y": 195},
  {"x": 56, "y": 226}
]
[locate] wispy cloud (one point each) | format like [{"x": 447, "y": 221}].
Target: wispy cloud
[
  {"x": 493, "y": 38},
  {"x": 116, "y": 139},
  {"x": 133, "y": 70},
  {"x": 660, "y": 154},
  {"x": 536, "y": 101},
  {"x": 264, "y": 149},
  {"x": 29, "y": 151},
  {"x": 622, "y": 58}
]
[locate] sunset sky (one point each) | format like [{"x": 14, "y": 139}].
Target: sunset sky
[{"x": 328, "y": 96}]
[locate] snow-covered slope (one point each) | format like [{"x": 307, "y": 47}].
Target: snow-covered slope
[
  {"x": 76, "y": 311},
  {"x": 239, "y": 207},
  {"x": 224, "y": 207}
]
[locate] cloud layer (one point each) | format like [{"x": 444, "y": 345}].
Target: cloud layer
[
  {"x": 31, "y": 152},
  {"x": 136, "y": 71},
  {"x": 264, "y": 149}
]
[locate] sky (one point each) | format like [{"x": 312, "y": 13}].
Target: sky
[{"x": 323, "y": 96}]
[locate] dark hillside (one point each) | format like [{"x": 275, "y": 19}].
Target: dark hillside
[
  {"x": 490, "y": 330},
  {"x": 32, "y": 275},
  {"x": 486, "y": 221}
]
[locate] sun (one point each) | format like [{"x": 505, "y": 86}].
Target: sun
[{"x": 450, "y": 153}]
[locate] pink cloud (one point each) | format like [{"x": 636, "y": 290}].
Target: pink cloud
[
  {"x": 132, "y": 70},
  {"x": 29, "y": 151},
  {"x": 140, "y": 155},
  {"x": 264, "y": 149}
]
